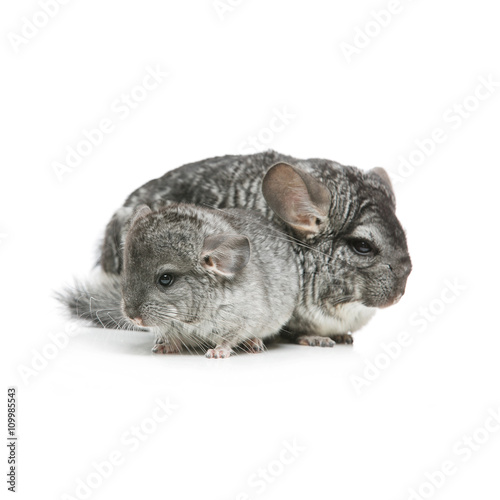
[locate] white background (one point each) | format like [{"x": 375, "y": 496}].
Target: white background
[{"x": 226, "y": 79}]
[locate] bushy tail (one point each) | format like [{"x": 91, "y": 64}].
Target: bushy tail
[{"x": 97, "y": 300}]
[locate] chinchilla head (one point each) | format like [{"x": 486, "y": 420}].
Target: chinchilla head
[
  {"x": 344, "y": 218},
  {"x": 178, "y": 265}
]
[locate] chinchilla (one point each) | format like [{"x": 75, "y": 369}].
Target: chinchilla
[
  {"x": 341, "y": 222},
  {"x": 198, "y": 278}
]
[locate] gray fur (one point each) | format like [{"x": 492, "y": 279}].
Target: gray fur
[
  {"x": 236, "y": 281},
  {"x": 98, "y": 301},
  {"x": 340, "y": 289}
]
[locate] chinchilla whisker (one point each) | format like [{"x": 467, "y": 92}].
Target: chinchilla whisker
[
  {"x": 113, "y": 320},
  {"x": 184, "y": 344},
  {"x": 217, "y": 310},
  {"x": 200, "y": 343},
  {"x": 242, "y": 340},
  {"x": 204, "y": 343},
  {"x": 233, "y": 324},
  {"x": 341, "y": 300},
  {"x": 187, "y": 313},
  {"x": 222, "y": 320},
  {"x": 244, "y": 336},
  {"x": 322, "y": 273},
  {"x": 97, "y": 316},
  {"x": 287, "y": 237}
]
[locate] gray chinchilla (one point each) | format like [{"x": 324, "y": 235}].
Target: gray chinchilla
[
  {"x": 341, "y": 221},
  {"x": 198, "y": 278}
]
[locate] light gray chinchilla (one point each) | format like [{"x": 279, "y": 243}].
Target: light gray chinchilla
[
  {"x": 198, "y": 278},
  {"x": 341, "y": 222}
]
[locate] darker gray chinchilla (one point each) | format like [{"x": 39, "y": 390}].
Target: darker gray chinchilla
[{"x": 340, "y": 220}]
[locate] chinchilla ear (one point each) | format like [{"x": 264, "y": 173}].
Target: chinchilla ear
[
  {"x": 297, "y": 198},
  {"x": 225, "y": 254},
  {"x": 382, "y": 174},
  {"x": 139, "y": 212}
]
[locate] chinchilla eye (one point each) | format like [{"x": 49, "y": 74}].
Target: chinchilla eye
[
  {"x": 166, "y": 280},
  {"x": 362, "y": 247}
]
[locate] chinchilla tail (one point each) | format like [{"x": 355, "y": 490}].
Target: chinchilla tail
[{"x": 96, "y": 300}]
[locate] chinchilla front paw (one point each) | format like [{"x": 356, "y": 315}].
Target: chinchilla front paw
[
  {"x": 315, "y": 340},
  {"x": 219, "y": 353},
  {"x": 164, "y": 348},
  {"x": 254, "y": 345},
  {"x": 342, "y": 338}
]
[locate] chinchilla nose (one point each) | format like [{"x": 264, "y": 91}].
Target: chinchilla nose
[
  {"x": 132, "y": 312},
  {"x": 398, "y": 297},
  {"x": 399, "y": 292},
  {"x": 405, "y": 267},
  {"x": 401, "y": 270}
]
